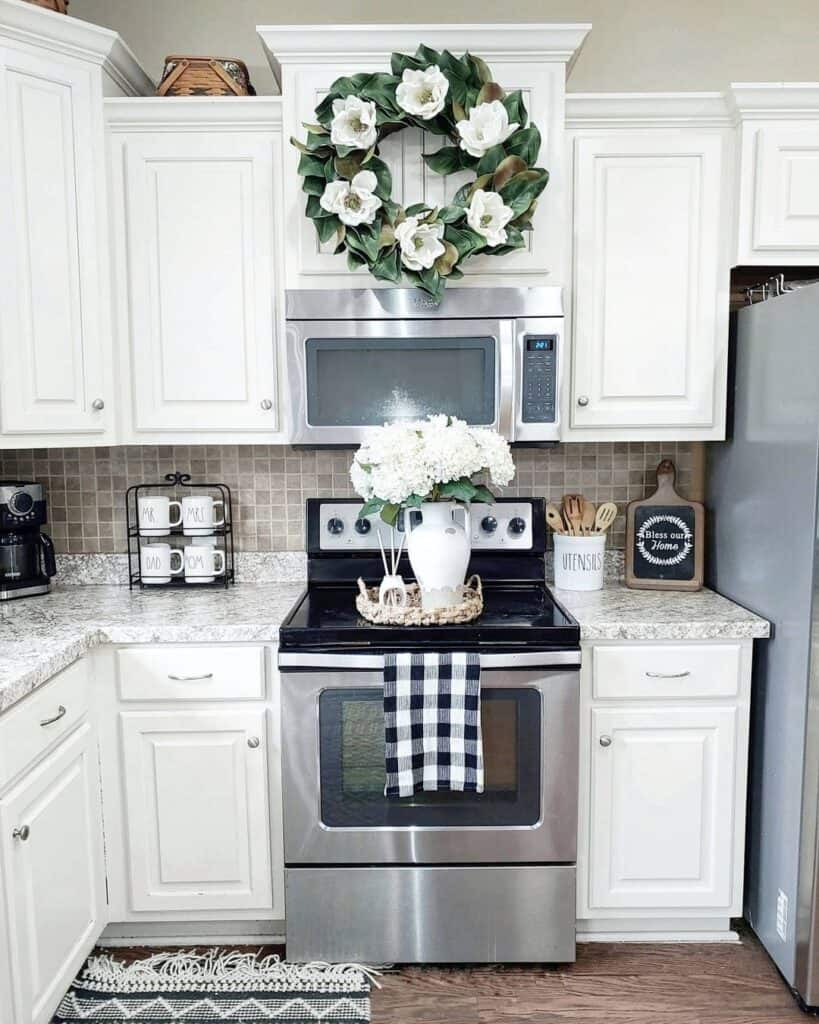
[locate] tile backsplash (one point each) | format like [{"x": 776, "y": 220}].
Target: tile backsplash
[{"x": 85, "y": 487}]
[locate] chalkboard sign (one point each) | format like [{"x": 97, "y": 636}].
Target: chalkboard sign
[{"x": 664, "y": 537}]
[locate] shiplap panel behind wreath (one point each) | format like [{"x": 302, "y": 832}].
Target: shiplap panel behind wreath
[{"x": 527, "y": 58}]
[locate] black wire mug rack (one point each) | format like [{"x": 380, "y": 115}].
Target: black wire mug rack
[{"x": 140, "y": 535}]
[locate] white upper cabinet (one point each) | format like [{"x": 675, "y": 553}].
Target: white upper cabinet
[
  {"x": 650, "y": 275},
  {"x": 56, "y": 384},
  {"x": 532, "y": 58},
  {"x": 198, "y": 303},
  {"x": 778, "y": 211}
]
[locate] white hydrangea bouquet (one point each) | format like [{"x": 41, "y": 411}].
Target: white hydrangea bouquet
[{"x": 405, "y": 465}]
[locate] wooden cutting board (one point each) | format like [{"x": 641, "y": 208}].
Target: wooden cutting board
[{"x": 665, "y": 538}]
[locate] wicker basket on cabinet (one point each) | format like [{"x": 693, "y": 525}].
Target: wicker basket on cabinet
[{"x": 205, "y": 76}]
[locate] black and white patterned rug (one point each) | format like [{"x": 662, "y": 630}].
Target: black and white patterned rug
[{"x": 216, "y": 986}]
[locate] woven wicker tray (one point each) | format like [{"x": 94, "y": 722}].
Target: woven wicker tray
[{"x": 412, "y": 614}]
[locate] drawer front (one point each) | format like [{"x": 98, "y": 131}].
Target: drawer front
[
  {"x": 191, "y": 673},
  {"x": 657, "y": 672},
  {"x": 41, "y": 719}
]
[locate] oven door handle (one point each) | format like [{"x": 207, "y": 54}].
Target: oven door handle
[{"x": 505, "y": 660}]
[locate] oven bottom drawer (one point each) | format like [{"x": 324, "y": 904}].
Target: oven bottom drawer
[{"x": 432, "y": 914}]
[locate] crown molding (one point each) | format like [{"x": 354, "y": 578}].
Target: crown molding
[
  {"x": 27, "y": 23},
  {"x": 193, "y": 113},
  {"x": 774, "y": 100},
  {"x": 328, "y": 44},
  {"x": 647, "y": 110}
]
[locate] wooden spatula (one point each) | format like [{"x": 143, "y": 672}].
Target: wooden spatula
[
  {"x": 554, "y": 518},
  {"x": 606, "y": 514},
  {"x": 588, "y": 512},
  {"x": 573, "y": 513}
]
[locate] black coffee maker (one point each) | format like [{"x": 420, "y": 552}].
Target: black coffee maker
[{"x": 26, "y": 555}]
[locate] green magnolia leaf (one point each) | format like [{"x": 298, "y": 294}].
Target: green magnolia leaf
[
  {"x": 326, "y": 227},
  {"x": 426, "y": 55},
  {"x": 483, "y": 494},
  {"x": 453, "y": 67},
  {"x": 318, "y": 144},
  {"x": 524, "y": 221},
  {"x": 506, "y": 169},
  {"x": 314, "y": 186},
  {"x": 445, "y": 161},
  {"x": 416, "y": 208},
  {"x": 490, "y": 161},
  {"x": 391, "y": 211},
  {"x": 481, "y": 69},
  {"x": 458, "y": 112},
  {"x": 386, "y": 237},
  {"x": 383, "y": 176},
  {"x": 399, "y": 62},
  {"x": 347, "y": 167},
  {"x": 429, "y": 217},
  {"x": 316, "y": 129},
  {"x": 455, "y": 274},
  {"x": 311, "y": 165},
  {"x": 464, "y": 194},
  {"x": 465, "y": 240},
  {"x": 387, "y": 267},
  {"x": 490, "y": 91},
  {"x": 450, "y": 214},
  {"x": 314, "y": 211},
  {"x": 432, "y": 283},
  {"x": 519, "y": 192},
  {"x": 515, "y": 108},
  {"x": 364, "y": 241},
  {"x": 370, "y": 507},
  {"x": 389, "y": 513},
  {"x": 525, "y": 143},
  {"x": 459, "y": 94},
  {"x": 300, "y": 146},
  {"x": 354, "y": 261}
]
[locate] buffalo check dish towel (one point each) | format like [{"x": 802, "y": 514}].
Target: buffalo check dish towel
[{"x": 432, "y": 721}]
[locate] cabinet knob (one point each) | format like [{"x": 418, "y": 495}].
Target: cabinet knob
[
  {"x": 605, "y": 741},
  {"x": 98, "y": 405},
  {"x": 266, "y": 404},
  {"x": 253, "y": 742},
  {"x": 583, "y": 400},
  {"x": 21, "y": 833}
]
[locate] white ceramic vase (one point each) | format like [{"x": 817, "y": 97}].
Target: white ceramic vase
[{"x": 438, "y": 549}]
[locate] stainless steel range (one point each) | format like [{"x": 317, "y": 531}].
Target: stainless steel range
[{"x": 457, "y": 877}]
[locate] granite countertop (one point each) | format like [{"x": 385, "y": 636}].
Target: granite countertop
[
  {"x": 41, "y": 636},
  {"x": 617, "y": 613}
]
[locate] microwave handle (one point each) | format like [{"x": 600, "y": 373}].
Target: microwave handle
[{"x": 507, "y": 398}]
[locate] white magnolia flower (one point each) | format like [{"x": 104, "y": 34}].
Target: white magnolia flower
[
  {"x": 488, "y": 215},
  {"x": 422, "y": 93},
  {"x": 401, "y": 459},
  {"x": 353, "y": 201},
  {"x": 353, "y": 123},
  {"x": 421, "y": 244},
  {"x": 487, "y": 126}
]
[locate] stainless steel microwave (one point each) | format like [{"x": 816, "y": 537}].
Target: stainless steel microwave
[{"x": 359, "y": 358}]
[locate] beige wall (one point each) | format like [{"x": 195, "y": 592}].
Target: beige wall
[{"x": 634, "y": 45}]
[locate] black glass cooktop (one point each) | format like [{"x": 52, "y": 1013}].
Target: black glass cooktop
[{"x": 514, "y": 614}]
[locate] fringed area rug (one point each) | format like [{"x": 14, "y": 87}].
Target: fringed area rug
[{"x": 216, "y": 986}]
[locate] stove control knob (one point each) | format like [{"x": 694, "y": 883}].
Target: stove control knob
[
  {"x": 517, "y": 526},
  {"x": 335, "y": 526},
  {"x": 489, "y": 524},
  {"x": 362, "y": 526},
  {"x": 21, "y": 503}
]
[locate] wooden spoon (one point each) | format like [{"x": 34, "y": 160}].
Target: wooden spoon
[
  {"x": 573, "y": 513},
  {"x": 606, "y": 514},
  {"x": 588, "y": 513},
  {"x": 554, "y": 518}
]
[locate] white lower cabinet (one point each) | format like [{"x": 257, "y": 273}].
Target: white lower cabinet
[
  {"x": 51, "y": 852},
  {"x": 663, "y": 775},
  {"x": 196, "y": 809}
]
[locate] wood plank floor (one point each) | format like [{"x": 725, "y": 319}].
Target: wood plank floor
[{"x": 609, "y": 984}]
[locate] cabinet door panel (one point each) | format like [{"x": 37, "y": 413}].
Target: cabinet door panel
[
  {"x": 661, "y": 829},
  {"x": 786, "y": 201},
  {"x": 647, "y": 254},
  {"x": 52, "y": 297},
  {"x": 197, "y": 810},
  {"x": 199, "y": 224},
  {"x": 55, "y": 879}
]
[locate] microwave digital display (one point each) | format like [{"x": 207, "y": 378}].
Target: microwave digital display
[{"x": 540, "y": 344}]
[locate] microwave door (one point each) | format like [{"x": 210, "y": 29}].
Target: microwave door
[{"x": 346, "y": 377}]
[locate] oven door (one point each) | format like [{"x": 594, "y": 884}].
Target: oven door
[
  {"x": 347, "y": 376},
  {"x": 333, "y": 751}
]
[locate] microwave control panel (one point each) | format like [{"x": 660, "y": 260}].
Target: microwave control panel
[{"x": 539, "y": 378}]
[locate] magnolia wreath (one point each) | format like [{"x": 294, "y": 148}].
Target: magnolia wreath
[{"x": 349, "y": 188}]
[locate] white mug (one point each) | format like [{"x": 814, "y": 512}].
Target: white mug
[
  {"x": 156, "y": 563},
  {"x": 198, "y": 515},
  {"x": 201, "y": 563},
  {"x": 154, "y": 515}
]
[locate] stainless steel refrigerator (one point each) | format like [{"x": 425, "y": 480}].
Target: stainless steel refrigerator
[{"x": 764, "y": 553}]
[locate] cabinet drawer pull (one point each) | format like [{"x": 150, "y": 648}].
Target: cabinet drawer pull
[
  {"x": 668, "y": 675},
  {"x": 253, "y": 742},
  {"x": 21, "y": 833},
  {"x": 605, "y": 741},
  {"x": 54, "y": 718},
  {"x": 190, "y": 679}
]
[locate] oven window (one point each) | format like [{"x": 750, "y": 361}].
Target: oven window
[
  {"x": 351, "y": 726},
  {"x": 367, "y": 381}
]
